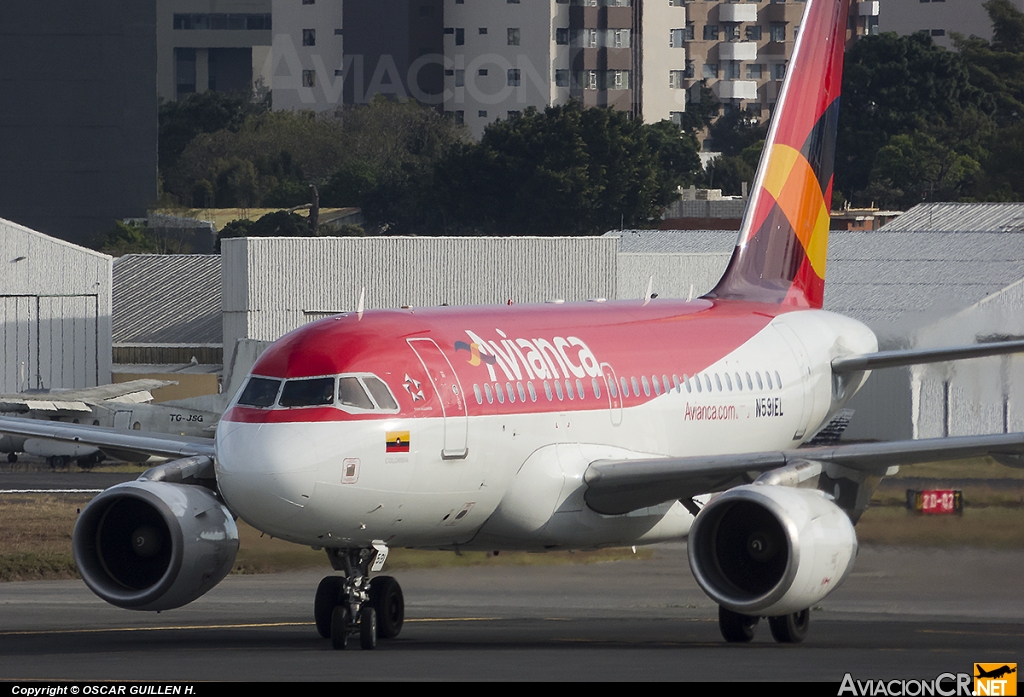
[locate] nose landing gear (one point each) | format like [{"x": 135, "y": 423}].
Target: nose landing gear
[{"x": 354, "y": 604}]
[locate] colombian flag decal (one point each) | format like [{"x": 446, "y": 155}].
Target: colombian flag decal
[{"x": 397, "y": 441}]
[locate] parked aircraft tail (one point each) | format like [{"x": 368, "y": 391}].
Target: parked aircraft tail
[{"x": 783, "y": 242}]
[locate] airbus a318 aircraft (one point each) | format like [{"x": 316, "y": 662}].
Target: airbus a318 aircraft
[{"x": 554, "y": 426}]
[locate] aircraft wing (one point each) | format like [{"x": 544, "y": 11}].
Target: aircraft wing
[
  {"x": 132, "y": 391},
  {"x": 891, "y": 359},
  {"x": 145, "y": 442},
  {"x": 619, "y": 486}
]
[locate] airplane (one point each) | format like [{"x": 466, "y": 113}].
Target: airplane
[
  {"x": 124, "y": 405},
  {"x": 549, "y": 426}
]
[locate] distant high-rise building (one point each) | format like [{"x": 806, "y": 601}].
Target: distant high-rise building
[
  {"x": 487, "y": 60},
  {"x": 218, "y": 45},
  {"x": 78, "y": 115},
  {"x": 940, "y": 18}
]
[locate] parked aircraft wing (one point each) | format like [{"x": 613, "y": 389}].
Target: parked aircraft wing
[
  {"x": 132, "y": 391},
  {"x": 891, "y": 359},
  {"x": 160, "y": 444},
  {"x": 619, "y": 486}
]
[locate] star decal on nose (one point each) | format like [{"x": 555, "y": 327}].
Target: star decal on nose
[{"x": 413, "y": 388}]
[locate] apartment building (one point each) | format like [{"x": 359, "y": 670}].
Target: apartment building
[
  {"x": 940, "y": 18},
  {"x": 482, "y": 60},
  {"x": 219, "y": 45},
  {"x": 332, "y": 52}
]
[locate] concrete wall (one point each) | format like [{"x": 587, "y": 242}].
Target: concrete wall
[{"x": 55, "y": 312}]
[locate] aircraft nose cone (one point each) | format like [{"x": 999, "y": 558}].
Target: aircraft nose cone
[{"x": 266, "y": 472}]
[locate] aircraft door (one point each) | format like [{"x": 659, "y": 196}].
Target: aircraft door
[
  {"x": 123, "y": 420},
  {"x": 450, "y": 395},
  {"x": 611, "y": 386}
]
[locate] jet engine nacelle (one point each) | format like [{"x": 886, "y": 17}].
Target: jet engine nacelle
[
  {"x": 151, "y": 545},
  {"x": 767, "y": 550}
]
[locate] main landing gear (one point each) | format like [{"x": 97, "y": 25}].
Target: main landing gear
[
  {"x": 355, "y": 604},
  {"x": 786, "y": 629}
]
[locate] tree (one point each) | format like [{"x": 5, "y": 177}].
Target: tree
[
  {"x": 896, "y": 85},
  {"x": 565, "y": 171},
  {"x": 276, "y": 224},
  {"x": 206, "y": 112}
]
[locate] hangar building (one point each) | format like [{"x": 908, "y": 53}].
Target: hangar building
[{"x": 55, "y": 302}]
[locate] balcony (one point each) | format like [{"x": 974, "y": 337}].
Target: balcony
[
  {"x": 867, "y": 9},
  {"x": 736, "y": 89},
  {"x": 735, "y": 12},
  {"x": 739, "y": 51}
]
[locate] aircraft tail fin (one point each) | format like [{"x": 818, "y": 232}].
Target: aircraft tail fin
[{"x": 783, "y": 242}]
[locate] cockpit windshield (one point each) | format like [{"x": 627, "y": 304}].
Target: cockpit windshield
[
  {"x": 260, "y": 392},
  {"x": 313, "y": 392},
  {"x": 361, "y": 392}
]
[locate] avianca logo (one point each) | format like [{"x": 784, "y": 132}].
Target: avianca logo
[{"x": 536, "y": 359}]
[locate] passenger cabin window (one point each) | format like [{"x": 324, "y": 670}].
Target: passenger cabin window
[
  {"x": 260, "y": 392},
  {"x": 311, "y": 392}
]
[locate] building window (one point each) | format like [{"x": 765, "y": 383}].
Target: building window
[
  {"x": 482, "y": 72},
  {"x": 619, "y": 38},
  {"x": 309, "y": 78},
  {"x": 676, "y": 38},
  {"x": 460, "y": 78},
  {"x": 460, "y": 37},
  {"x": 482, "y": 113},
  {"x": 675, "y": 3},
  {"x": 562, "y": 37},
  {"x": 753, "y": 32},
  {"x": 711, "y": 32},
  {"x": 460, "y": 115},
  {"x": 514, "y": 77},
  {"x": 561, "y": 78},
  {"x": 731, "y": 31},
  {"x": 482, "y": 30},
  {"x": 690, "y": 70},
  {"x": 308, "y": 2},
  {"x": 586, "y": 80},
  {"x": 710, "y": 71},
  {"x": 688, "y": 32},
  {"x": 616, "y": 80},
  {"x": 938, "y": 32},
  {"x": 754, "y": 71},
  {"x": 779, "y": 71},
  {"x": 514, "y": 114},
  {"x": 309, "y": 37},
  {"x": 777, "y": 31},
  {"x": 731, "y": 70},
  {"x": 676, "y": 117},
  {"x": 675, "y": 79},
  {"x": 513, "y": 36}
]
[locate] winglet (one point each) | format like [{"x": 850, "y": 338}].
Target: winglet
[{"x": 780, "y": 255}]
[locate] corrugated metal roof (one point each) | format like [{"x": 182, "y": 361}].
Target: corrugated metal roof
[
  {"x": 675, "y": 241},
  {"x": 167, "y": 298},
  {"x": 884, "y": 277},
  {"x": 960, "y": 217}
]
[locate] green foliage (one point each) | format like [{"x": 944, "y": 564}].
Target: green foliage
[
  {"x": 564, "y": 171},
  {"x": 730, "y": 171},
  {"x": 126, "y": 238},
  {"x": 206, "y": 112},
  {"x": 276, "y": 224}
]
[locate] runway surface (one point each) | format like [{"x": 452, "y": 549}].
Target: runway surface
[{"x": 903, "y": 613}]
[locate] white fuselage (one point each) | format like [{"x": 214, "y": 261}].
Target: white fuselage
[{"x": 520, "y": 483}]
